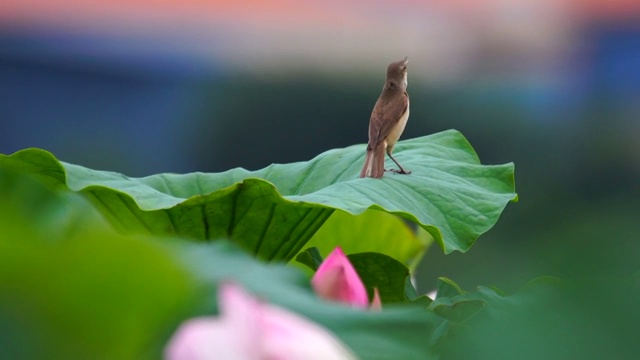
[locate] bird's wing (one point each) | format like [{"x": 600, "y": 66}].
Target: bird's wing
[{"x": 385, "y": 115}]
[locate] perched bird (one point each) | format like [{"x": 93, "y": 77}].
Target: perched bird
[{"x": 388, "y": 119}]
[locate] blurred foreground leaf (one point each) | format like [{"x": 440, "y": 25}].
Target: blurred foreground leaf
[
  {"x": 72, "y": 288},
  {"x": 81, "y": 290},
  {"x": 590, "y": 318}
]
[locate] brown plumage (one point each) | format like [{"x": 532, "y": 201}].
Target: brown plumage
[{"x": 388, "y": 119}]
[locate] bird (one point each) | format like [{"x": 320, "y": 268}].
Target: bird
[{"x": 388, "y": 120}]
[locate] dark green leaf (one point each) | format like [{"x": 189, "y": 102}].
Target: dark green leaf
[
  {"x": 310, "y": 257},
  {"x": 447, "y": 288},
  {"x": 456, "y": 310},
  {"x": 382, "y": 272}
]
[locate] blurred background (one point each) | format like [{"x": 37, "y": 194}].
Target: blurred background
[{"x": 142, "y": 87}]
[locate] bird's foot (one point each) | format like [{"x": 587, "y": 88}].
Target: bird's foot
[{"x": 401, "y": 171}]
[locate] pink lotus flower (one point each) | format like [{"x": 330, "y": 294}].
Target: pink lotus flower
[
  {"x": 337, "y": 280},
  {"x": 248, "y": 329}
]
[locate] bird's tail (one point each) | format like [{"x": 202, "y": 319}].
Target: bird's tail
[{"x": 374, "y": 162}]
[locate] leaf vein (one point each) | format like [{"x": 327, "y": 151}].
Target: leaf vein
[
  {"x": 270, "y": 217},
  {"x": 306, "y": 176},
  {"x": 287, "y": 238},
  {"x": 123, "y": 199}
]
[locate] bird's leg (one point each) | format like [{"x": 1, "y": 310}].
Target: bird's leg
[{"x": 402, "y": 170}]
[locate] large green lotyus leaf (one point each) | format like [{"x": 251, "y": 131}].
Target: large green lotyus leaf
[{"x": 274, "y": 211}]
